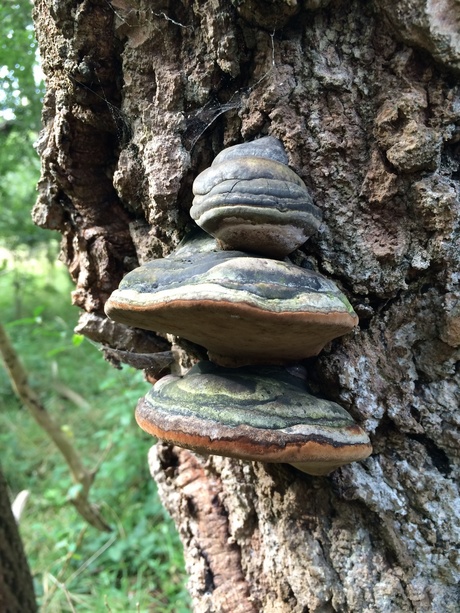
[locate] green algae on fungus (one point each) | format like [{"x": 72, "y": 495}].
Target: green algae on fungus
[{"x": 253, "y": 413}]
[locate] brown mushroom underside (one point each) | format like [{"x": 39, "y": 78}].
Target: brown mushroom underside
[
  {"x": 239, "y": 334},
  {"x": 316, "y": 457}
]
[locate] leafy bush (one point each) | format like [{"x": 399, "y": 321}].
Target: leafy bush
[{"x": 139, "y": 566}]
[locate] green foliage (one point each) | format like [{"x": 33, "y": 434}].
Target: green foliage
[
  {"x": 140, "y": 565},
  {"x": 21, "y": 91},
  {"x": 17, "y": 195}
]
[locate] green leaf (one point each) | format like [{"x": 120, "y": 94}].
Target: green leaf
[{"x": 77, "y": 340}]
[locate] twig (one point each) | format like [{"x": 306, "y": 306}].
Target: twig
[
  {"x": 57, "y": 583},
  {"x": 83, "y": 477},
  {"x": 63, "y": 587},
  {"x": 70, "y": 394},
  {"x": 92, "y": 558}
]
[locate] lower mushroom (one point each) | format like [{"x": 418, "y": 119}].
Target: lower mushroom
[{"x": 256, "y": 413}]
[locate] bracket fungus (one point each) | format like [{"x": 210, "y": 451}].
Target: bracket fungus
[
  {"x": 243, "y": 309},
  {"x": 250, "y": 200},
  {"x": 253, "y": 313},
  {"x": 255, "y": 413}
]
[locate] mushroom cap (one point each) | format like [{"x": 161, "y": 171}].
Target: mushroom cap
[
  {"x": 255, "y": 413},
  {"x": 267, "y": 147},
  {"x": 243, "y": 309},
  {"x": 249, "y": 199}
]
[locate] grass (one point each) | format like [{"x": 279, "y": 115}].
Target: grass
[{"x": 137, "y": 567}]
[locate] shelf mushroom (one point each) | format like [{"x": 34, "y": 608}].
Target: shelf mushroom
[
  {"x": 243, "y": 309},
  {"x": 255, "y": 413},
  {"x": 246, "y": 310},
  {"x": 250, "y": 200}
]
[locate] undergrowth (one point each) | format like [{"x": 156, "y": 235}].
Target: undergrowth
[{"x": 137, "y": 567}]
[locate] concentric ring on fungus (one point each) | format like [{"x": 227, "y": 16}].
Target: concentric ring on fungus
[
  {"x": 250, "y": 200},
  {"x": 255, "y": 413},
  {"x": 242, "y": 309}
]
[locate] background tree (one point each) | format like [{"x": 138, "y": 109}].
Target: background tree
[
  {"x": 19, "y": 122},
  {"x": 140, "y": 97},
  {"x": 16, "y": 587}
]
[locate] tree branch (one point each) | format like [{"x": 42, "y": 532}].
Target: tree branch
[{"x": 80, "y": 474}]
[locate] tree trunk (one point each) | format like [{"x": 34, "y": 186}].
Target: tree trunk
[
  {"x": 16, "y": 585},
  {"x": 141, "y": 96}
]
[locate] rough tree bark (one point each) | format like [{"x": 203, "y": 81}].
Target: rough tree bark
[{"x": 364, "y": 95}]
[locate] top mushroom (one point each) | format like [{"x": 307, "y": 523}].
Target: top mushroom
[{"x": 250, "y": 200}]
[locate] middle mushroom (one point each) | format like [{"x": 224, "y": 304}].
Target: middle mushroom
[{"x": 243, "y": 309}]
